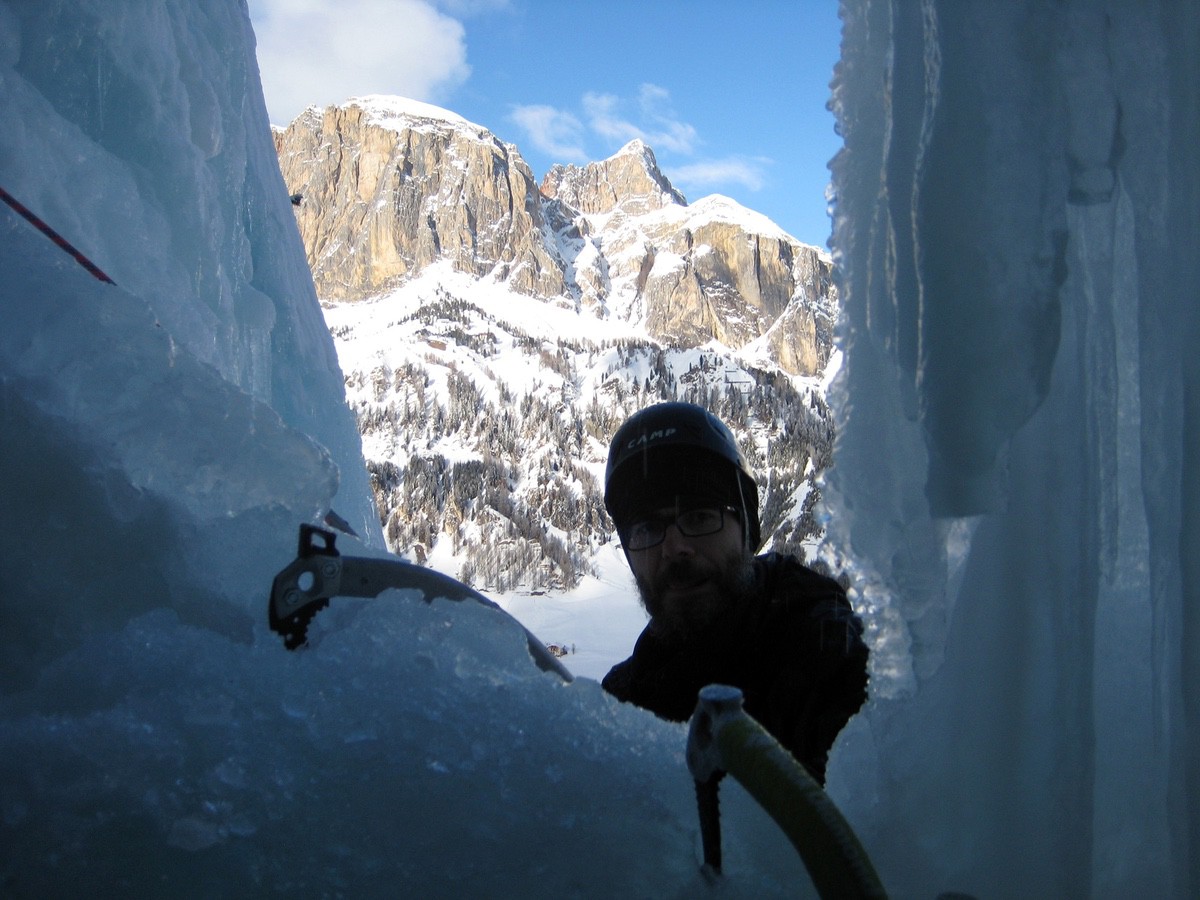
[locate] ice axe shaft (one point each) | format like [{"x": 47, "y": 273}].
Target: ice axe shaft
[{"x": 723, "y": 738}]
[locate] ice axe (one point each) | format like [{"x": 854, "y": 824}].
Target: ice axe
[
  {"x": 723, "y": 737},
  {"x": 319, "y": 572}
]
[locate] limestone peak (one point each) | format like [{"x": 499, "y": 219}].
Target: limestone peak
[
  {"x": 392, "y": 186},
  {"x": 629, "y": 180}
]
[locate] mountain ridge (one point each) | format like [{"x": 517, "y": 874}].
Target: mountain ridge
[{"x": 391, "y": 186}]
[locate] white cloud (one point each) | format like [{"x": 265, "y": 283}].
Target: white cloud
[
  {"x": 554, "y": 132},
  {"x": 313, "y": 52},
  {"x": 465, "y": 8},
  {"x": 707, "y": 174},
  {"x": 601, "y": 111},
  {"x": 653, "y": 120},
  {"x": 668, "y": 132},
  {"x": 648, "y": 116}
]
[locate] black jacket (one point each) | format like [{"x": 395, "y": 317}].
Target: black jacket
[{"x": 795, "y": 651}]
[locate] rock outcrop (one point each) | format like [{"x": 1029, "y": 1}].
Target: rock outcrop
[
  {"x": 629, "y": 182},
  {"x": 391, "y": 186}
]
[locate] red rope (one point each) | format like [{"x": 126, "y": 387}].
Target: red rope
[{"x": 53, "y": 235}]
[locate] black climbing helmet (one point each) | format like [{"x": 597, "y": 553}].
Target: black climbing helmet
[{"x": 676, "y": 449}]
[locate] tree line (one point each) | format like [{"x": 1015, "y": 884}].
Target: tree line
[{"x": 511, "y": 478}]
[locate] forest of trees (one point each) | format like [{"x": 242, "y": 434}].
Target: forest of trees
[{"x": 512, "y": 478}]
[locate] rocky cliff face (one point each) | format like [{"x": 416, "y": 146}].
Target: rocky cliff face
[
  {"x": 629, "y": 182},
  {"x": 391, "y": 186}
]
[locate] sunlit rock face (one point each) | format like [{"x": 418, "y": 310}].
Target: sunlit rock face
[
  {"x": 630, "y": 181},
  {"x": 391, "y": 186},
  {"x": 703, "y": 275}
]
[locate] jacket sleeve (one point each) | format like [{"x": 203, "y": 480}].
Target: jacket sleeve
[
  {"x": 822, "y": 681},
  {"x": 616, "y": 682}
]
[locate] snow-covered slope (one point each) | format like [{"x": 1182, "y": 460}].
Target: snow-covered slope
[{"x": 486, "y": 416}]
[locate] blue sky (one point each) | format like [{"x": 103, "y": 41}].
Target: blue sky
[{"x": 730, "y": 95}]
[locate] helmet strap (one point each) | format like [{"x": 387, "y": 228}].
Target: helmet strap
[{"x": 745, "y": 516}]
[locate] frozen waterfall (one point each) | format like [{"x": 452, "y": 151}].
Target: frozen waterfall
[{"x": 1016, "y": 473}]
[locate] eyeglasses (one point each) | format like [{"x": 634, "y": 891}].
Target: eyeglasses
[{"x": 646, "y": 533}]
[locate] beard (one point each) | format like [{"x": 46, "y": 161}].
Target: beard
[{"x": 719, "y": 585}]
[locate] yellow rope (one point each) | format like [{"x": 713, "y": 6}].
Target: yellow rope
[{"x": 724, "y": 738}]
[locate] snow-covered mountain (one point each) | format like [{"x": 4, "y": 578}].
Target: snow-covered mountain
[
  {"x": 486, "y": 417},
  {"x": 391, "y": 186},
  {"x": 494, "y": 334}
]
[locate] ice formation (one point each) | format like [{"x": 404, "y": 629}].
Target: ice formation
[{"x": 1016, "y": 471}]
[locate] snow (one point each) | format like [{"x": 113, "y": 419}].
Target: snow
[
  {"x": 597, "y": 622},
  {"x": 371, "y": 319},
  {"x": 719, "y": 208},
  {"x": 384, "y": 109},
  {"x": 1017, "y": 521},
  {"x": 398, "y": 113}
]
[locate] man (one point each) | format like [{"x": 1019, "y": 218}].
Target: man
[{"x": 685, "y": 504}]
